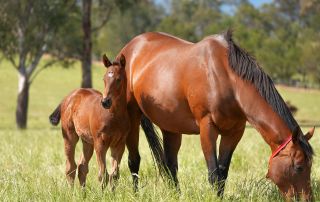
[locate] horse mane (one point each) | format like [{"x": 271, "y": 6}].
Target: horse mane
[{"x": 248, "y": 69}]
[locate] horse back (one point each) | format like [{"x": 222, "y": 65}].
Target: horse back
[
  {"x": 79, "y": 98},
  {"x": 77, "y": 109}
]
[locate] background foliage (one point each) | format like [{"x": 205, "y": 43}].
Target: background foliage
[{"x": 284, "y": 35}]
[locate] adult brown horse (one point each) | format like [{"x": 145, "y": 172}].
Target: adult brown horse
[
  {"x": 212, "y": 87},
  {"x": 101, "y": 121}
]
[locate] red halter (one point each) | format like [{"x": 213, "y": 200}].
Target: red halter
[{"x": 282, "y": 146}]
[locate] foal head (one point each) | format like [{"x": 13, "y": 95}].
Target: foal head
[
  {"x": 290, "y": 168},
  {"x": 114, "y": 81}
]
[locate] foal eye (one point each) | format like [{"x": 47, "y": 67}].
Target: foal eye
[{"x": 298, "y": 168}]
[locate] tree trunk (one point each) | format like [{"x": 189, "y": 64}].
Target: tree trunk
[
  {"x": 86, "y": 54},
  {"x": 22, "y": 101}
]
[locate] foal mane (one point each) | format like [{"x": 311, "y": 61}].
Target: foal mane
[{"x": 248, "y": 69}]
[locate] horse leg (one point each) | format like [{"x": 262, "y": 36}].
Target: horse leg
[
  {"x": 208, "y": 138},
  {"x": 83, "y": 167},
  {"x": 228, "y": 144},
  {"x": 101, "y": 150},
  {"x": 70, "y": 141},
  {"x": 116, "y": 155},
  {"x": 171, "y": 144},
  {"x": 132, "y": 146}
]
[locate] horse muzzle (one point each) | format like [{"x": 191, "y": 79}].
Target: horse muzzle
[{"x": 106, "y": 103}]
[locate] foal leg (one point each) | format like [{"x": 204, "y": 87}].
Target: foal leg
[
  {"x": 132, "y": 146},
  {"x": 171, "y": 144},
  {"x": 228, "y": 143},
  {"x": 70, "y": 141},
  {"x": 208, "y": 138},
  {"x": 116, "y": 155},
  {"x": 101, "y": 150},
  {"x": 83, "y": 167}
]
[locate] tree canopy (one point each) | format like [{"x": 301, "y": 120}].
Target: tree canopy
[{"x": 284, "y": 35}]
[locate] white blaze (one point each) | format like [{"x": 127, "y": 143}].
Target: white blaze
[{"x": 110, "y": 74}]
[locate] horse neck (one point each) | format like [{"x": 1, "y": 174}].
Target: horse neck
[{"x": 261, "y": 115}]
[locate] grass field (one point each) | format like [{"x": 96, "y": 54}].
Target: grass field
[{"x": 32, "y": 162}]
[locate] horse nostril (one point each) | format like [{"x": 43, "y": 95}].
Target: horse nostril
[{"x": 106, "y": 103}]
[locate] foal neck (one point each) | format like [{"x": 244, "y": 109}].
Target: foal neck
[{"x": 119, "y": 104}]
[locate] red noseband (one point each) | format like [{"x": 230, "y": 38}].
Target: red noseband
[{"x": 283, "y": 145}]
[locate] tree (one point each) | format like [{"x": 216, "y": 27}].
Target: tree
[
  {"x": 87, "y": 44},
  {"x": 309, "y": 38},
  {"x": 101, "y": 14},
  {"x": 28, "y": 31},
  {"x": 126, "y": 22}
]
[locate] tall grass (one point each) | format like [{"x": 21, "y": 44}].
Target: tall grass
[{"x": 32, "y": 162}]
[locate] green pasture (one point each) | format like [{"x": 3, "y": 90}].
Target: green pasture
[{"x": 32, "y": 162}]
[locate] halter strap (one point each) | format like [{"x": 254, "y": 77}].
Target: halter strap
[{"x": 282, "y": 146}]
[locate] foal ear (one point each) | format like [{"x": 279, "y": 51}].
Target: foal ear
[
  {"x": 106, "y": 61},
  {"x": 309, "y": 134},
  {"x": 122, "y": 61}
]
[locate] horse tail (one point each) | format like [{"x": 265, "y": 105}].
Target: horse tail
[
  {"x": 54, "y": 118},
  {"x": 155, "y": 145}
]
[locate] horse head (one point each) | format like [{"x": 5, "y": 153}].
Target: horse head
[
  {"x": 114, "y": 80},
  {"x": 290, "y": 166}
]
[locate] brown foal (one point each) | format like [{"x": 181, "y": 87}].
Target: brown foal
[{"x": 101, "y": 121}]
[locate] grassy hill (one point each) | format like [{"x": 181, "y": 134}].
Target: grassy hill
[{"x": 32, "y": 162}]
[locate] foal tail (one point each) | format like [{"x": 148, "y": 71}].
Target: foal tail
[
  {"x": 54, "y": 118},
  {"x": 155, "y": 144}
]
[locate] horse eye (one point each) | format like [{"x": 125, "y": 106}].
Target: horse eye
[{"x": 298, "y": 168}]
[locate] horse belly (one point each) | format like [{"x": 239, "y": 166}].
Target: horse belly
[
  {"x": 82, "y": 128},
  {"x": 177, "y": 121},
  {"x": 167, "y": 109},
  {"x": 81, "y": 122}
]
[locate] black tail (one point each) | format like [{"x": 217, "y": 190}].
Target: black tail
[
  {"x": 155, "y": 144},
  {"x": 54, "y": 118}
]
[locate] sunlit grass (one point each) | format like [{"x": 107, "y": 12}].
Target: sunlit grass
[{"x": 32, "y": 162}]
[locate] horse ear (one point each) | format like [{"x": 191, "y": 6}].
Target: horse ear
[
  {"x": 106, "y": 61},
  {"x": 122, "y": 61},
  {"x": 295, "y": 134},
  {"x": 309, "y": 134}
]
